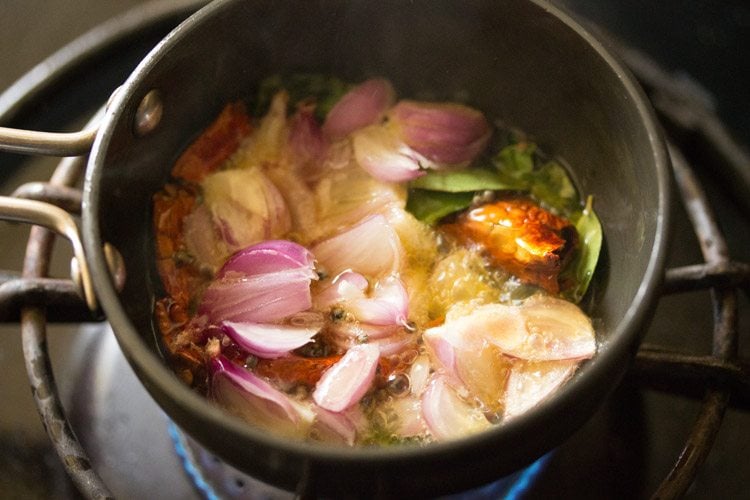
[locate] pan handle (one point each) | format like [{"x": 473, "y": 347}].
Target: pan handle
[
  {"x": 32, "y": 142},
  {"x": 60, "y": 221},
  {"x": 47, "y": 143},
  {"x": 40, "y": 213}
]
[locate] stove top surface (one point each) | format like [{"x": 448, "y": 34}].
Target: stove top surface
[{"x": 628, "y": 447}]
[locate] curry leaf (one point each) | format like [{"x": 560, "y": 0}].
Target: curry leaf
[
  {"x": 552, "y": 186},
  {"x": 431, "y": 206},
  {"x": 516, "y": 160},
  {"x": 548, "y": 182},
  {"x": 581, "y": 270},
  {"x": 462, "y": 181}
]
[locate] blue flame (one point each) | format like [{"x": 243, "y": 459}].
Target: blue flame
[{"x": 512, "y": 487}]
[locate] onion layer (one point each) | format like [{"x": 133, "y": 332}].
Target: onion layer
[
  {"x": 202, "y": 241},
  {"x": 371, "y": 248},
  {"x": 337, "y": 424},
  {"x": 250, "y": 397},
  {"x": 246, "y": 207},
  {"x": 268, "y": 341},
  {"x": 472, "y": 361},
  {"x": 558, "y": 329},
  {"x": 542, "y": 328},
  {"x": 268, "y": 257},
  {"x": 344, "y": 384},
  {"x": 387, "y": 305},
  {"x": 343, "y": 287},
  {"x": 363, "y": 105},
  {"x": 263, "y": 284},
  {"x": 380, "y": 152},
  {"x": 348, "y": 195},
  {"x": 447, "y": 415},
  {"x": 307, "y": 144},
  {"x": 448, "y": 134},
  {"x": 531, "y": 382},
  {"x": 264, "y": 298}
]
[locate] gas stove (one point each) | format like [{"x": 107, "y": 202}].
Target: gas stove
[{"x": 633, "y": 446}]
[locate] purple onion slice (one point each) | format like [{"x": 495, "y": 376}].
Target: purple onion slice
[
  {"x": 447, "y": 415},
  {"x": 268, "y": 341},
  {"x": 268, "y": 257},
  {"x": 344, "y": 384},
  {"x": 363, "y": 105},
  {"x": 371, "y": 248},
  {"x": 445, "y": 133},
  {"x": 252, "y": 398}
]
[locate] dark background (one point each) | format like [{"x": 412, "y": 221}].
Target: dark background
[
  {"x": 706, "y": 40},
  {"x": 702, "y": 42}
]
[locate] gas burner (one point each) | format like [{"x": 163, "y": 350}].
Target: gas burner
[
  {"x": 217, "y": 480},
  {"x": 124, "y": 444}
]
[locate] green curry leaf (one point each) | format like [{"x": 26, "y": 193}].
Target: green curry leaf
[
  {"x": 431, "y": 206},
  {"x": 548, "y": 182},
  {"x": 462, "y": 181},
  {"x": 581, "y": 269},
  {"x": 552, "y": 186},
  {"x": 516, "y": 160}
]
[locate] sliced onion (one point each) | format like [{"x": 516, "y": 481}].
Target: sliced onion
[
  {"x": 349, "y": 195},
  {"x": 419, "y": 374},
  {"x": 447, "y": 415},
  {"x": 371, "y": 248},
  {"x": 377, "y": 318},
  {"x": 246, "y": 395},
  {"x": 344, "y": 384},
  {"x": 467, "y": 357},
  {"x": 345, "y": 286},
  {"x": 269, "y": 257},
  {"x": 238, "y": 227},
  {"x": 307, "y": 144},
  {"x": 441, "y": 344},
  {"x": 266, "y": 145},
  {"x": 448, "y": 134},
  {"x": 264, "y": 298},
  {"x": 306, "y": 319},
  {"x": 246, "y": 207},
  {"x": 363, "y": 105},
  {"x": 542, "y": 328},
  {"x": 268, "y": 341},
  {"x": 338, "y": 424},
  {"x": 202, "y": 241},
  {"x": 388, "y": 304},
  {"x": 299, "y": 199},
  {"x": 339, "y": 156},
  {"x": 347, "y": 334},
  {"x": 395, "y": 344},
  {"x": 557, "y": 328},
  {"x": 532, "y": 382},
  {"x": 484, "y": 370},
  {"x": 409, "y": 421},
  {"x": 261, "y": 284},
  {"x": 380, "y": 151}
]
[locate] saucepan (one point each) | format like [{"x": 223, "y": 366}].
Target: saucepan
[{"x": 523, "y": 61}]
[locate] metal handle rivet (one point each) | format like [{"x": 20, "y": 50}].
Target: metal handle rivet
[{"x": 149, "y": 113}]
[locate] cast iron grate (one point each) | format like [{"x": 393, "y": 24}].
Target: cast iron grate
[{"x": 721, "y": 377}]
